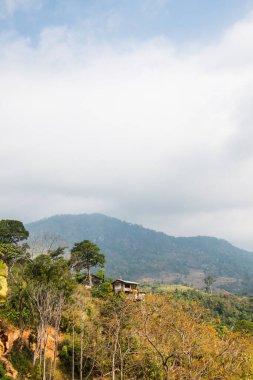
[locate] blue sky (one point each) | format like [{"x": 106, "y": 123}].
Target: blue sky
[{"x": 110, "y": 20}]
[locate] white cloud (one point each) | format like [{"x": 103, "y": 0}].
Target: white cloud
[{"x": 143, "y": 131}]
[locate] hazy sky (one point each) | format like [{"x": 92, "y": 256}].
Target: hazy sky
[{"x": 139, "y": 109}]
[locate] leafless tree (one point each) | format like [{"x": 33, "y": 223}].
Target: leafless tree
[
  {"x": 47, "y": 304},
  {"x": 42, "y": 243}
]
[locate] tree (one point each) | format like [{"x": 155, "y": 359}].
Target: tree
[
  {"x": 209, "y": 281},
  {"x": 116, "y": 318},
  {"x": 178, "y": 343},
  {"x": 12, "y": 232},
  {"x": 57, "y": 253},
  {"x": 85, "y": 255},
  {"x": 8, "y": 252},
  {"x": 49, "y": 286}
]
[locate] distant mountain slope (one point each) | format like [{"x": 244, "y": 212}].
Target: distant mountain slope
[{"x": 136, "y": 252}]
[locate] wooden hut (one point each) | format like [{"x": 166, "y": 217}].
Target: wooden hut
[{"x": 128, "y": 287}]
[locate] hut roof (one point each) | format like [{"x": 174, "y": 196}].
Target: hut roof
[{"x": 126, "y": 281}]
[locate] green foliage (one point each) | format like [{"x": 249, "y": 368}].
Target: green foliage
[
  {"x": 9, "y": 252},
  {"x": 3, "y": 375},
  {"x": 10, "y": 310},
  {"x": 12, "y": 232},
  {"x": 65, "y": 353},
  {"x": 245, "y": 326},
  {"x": 44, "y": 269},
  {"x": 22, "y": 362},
  {"x": 85, "y": 255},
  {"x": 103, "y": 290},
  {"x": 57, "y": 253},
  {"x": 101, "y": 274},
  {"x": 228, "y": 307}
]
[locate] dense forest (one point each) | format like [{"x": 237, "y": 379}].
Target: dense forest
[
  {"x": 142, "y": 254},
  {"x": 56, "y": 324}
]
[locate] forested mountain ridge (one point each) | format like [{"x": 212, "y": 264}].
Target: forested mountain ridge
[{"x": 136, "y": 252}]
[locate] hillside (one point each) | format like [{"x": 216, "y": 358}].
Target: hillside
[{"x": 139, "y": 253}]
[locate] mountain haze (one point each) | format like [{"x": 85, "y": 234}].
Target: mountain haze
[{"x": 139, "y": 253}]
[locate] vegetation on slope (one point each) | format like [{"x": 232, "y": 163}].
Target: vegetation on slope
[
  {"x": 139, "y": 253},
  {"x": 233, "y": 311},
  {"x": 66, "y": 330}
]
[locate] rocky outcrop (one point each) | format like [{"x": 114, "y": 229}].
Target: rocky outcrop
[{"x": 7, "y": 338}]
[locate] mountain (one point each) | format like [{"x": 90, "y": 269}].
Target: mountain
[{"x": 138, "y": 253}]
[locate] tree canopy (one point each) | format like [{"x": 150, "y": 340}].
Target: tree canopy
[
  {"x": 85, "y": 255},
  {"x": 12, "y": 231}
]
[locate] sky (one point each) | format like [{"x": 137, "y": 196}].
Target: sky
[{"x": 138, "y": 109}]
